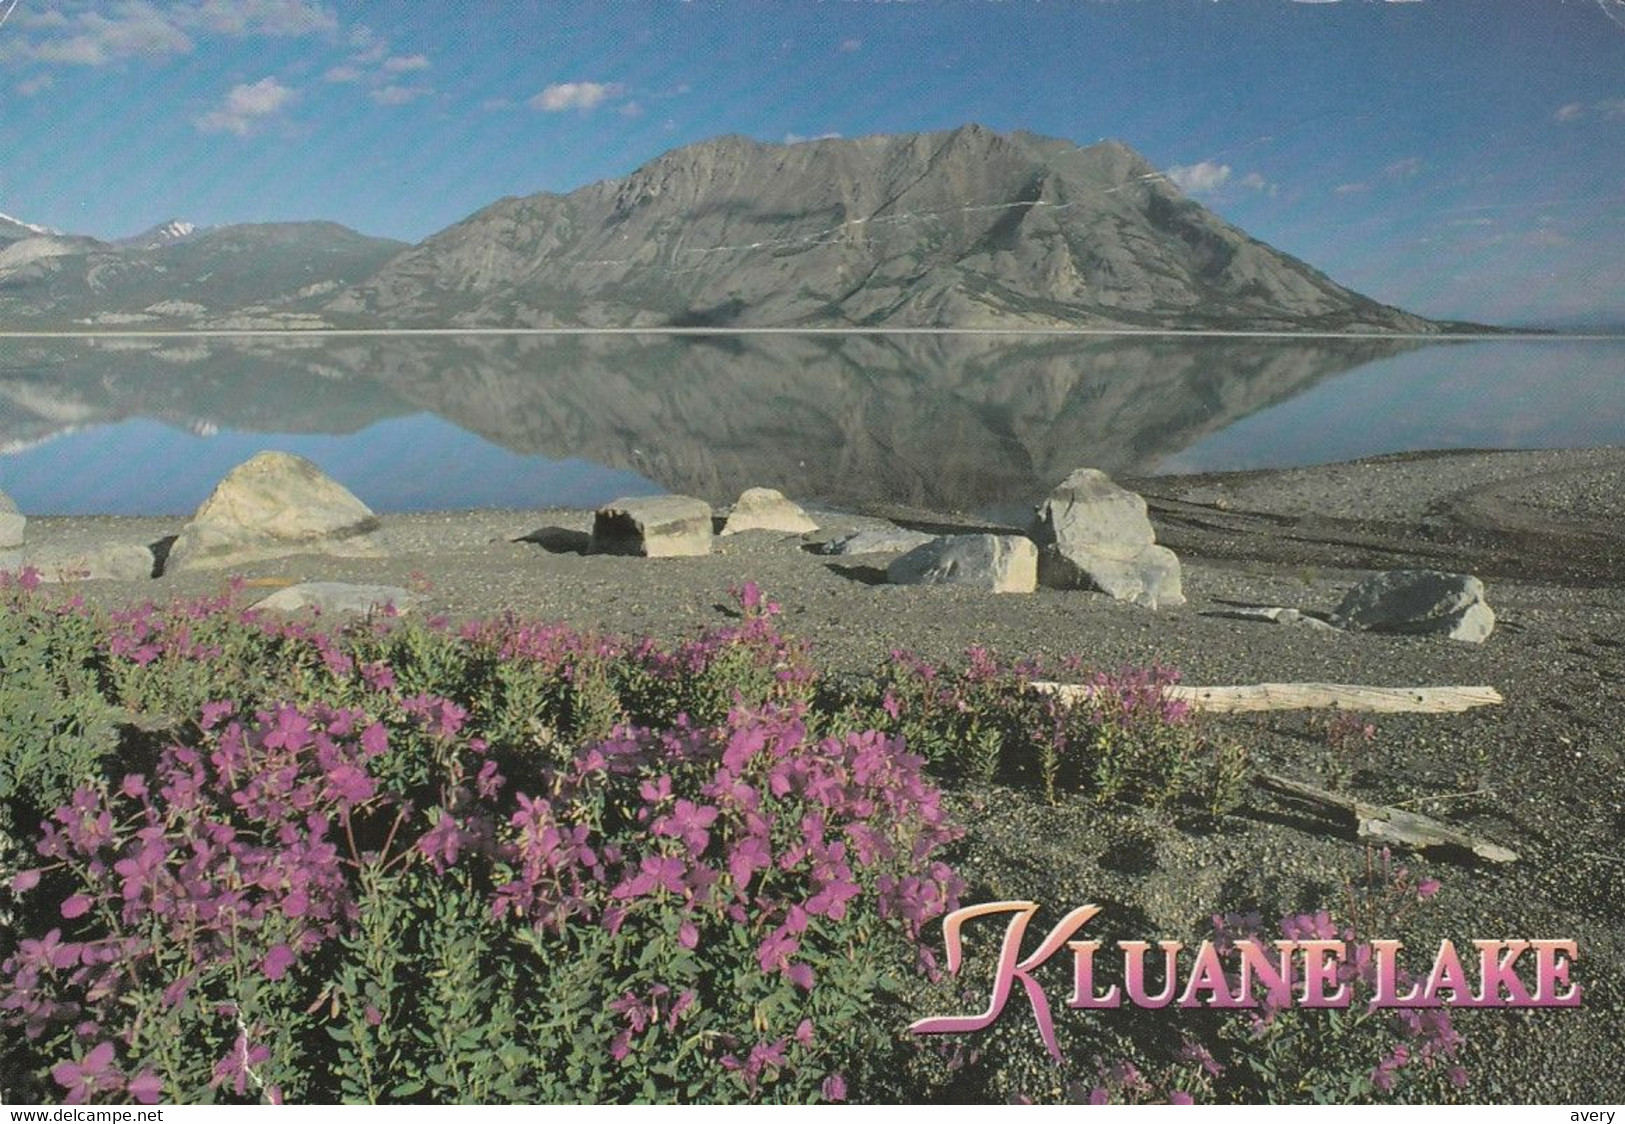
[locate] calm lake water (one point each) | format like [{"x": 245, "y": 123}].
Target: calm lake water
[{"x": 147, "y": 426}]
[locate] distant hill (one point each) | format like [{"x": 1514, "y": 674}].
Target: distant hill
[
  {"x": 968, "y": 228},
  {"x": 252, "y": 275}
]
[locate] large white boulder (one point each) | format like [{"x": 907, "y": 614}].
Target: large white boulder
[
  {"x": 12, "y": 523},
  {"x": 766, "y": 509},
  {"x": 270, "y": 506},
  {"x": 1092, "y": 534}
]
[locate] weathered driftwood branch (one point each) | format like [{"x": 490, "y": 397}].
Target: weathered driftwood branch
[
  {"x": 1311, "y": 696},
  {"x": 1383, "y": 824}
]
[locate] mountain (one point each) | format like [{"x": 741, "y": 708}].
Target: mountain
[
  {"x": 14, "y": 230},
  {"x": 164, "y": 234},
  {"x": 968, "y": 228},
  {"x": 265, "y": 275}
]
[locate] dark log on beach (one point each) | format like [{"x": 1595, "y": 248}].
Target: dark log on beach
[{"x": 1381, "y": 823}]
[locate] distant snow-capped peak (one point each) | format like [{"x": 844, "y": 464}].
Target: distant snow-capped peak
[
  {"x": 165, "y": 233},
  {"x": 28, "y": 225}
]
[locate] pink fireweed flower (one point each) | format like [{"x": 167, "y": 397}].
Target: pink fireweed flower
[
  {"x": 442, "y": 843},
  {"x": 92, "y": 1074},
  {"x": 684, "y": 1002},
  {"x": 289, "y": 729},
  {"x": 1305, "y": 926},
  {"x": 1199, "y": 1055},
  {"x": 146, "y": 1088},
  {"x": 50, "y": 952},
  {"x": 688, "y": 821},
  {"x": 774, "y": 953},
  {"x": 379, "y": 676},
  {"x": 489, "y": 782},
  {"x": 655, "y": 872},
  {"x": 277, "y": 962}
]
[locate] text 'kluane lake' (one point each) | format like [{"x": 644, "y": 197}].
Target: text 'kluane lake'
[{"x": 147, "y": 425}]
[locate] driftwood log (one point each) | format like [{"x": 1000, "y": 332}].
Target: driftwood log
[
  {"x": 1383, "y": 824},
  {"x": 1311, "y": 696},
  {"x": 1379, "y": 823}
]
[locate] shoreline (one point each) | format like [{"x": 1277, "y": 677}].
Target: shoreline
[{"x": 1544, "y": 529}]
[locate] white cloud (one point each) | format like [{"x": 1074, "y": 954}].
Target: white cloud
[
  {"x": 1254, "y": 181},
  {"x": 850, "y": 45},
  {"x": 1199, "y": 179},
  {"x": 247, "y": 106},
  {"x": 28, "y": 87},
  {"x": 575, "y": 95},
  {"x": 496, "y": 105},
  {"x": 797, "y": 138},
  {"x": 1610, "y": 109},
  {"x": 1351, "y": 188},
  {"x": 371, "y": 64},
  {"x": 260, "y": 17},
  {"x": 95, "y": 36},
  {"x": 89, "y": 38},
  {"x": 1404, "y": 169},
  {"x": 398, "y": 95}
]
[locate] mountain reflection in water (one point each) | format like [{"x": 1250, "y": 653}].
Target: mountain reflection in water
[{"x": 940, "y": 422}]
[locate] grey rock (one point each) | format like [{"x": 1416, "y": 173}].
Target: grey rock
[
  {"x": 1424, "y": 602},
  {"x": 333, "y": 598},
  {"x": 766, "y": 509},
  {"x": 1092, "y": 534},
  {"x": 271, "y": 506},
  {"x": 891, "y": 540},
  {"x": 1278, "y": 615},
  {"x": 652, "y": 527},
  {"x": 996, "y": 563},
  {"x": 12, "y": 523},
  {"x": 114, "y": 561}
]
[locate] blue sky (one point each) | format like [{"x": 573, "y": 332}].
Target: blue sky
[{"x": 1462, "y": 158}]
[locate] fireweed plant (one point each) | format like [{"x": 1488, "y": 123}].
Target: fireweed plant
[{"x": 244, "y": 858}]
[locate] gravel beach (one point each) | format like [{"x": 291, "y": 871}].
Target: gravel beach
[{"x": 1544, "y": 530}]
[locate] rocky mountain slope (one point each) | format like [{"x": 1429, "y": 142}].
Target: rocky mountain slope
[{"x": 968, "y": 228}]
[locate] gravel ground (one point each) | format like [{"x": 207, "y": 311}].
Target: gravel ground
[{"x": 1546, "y": 530}]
